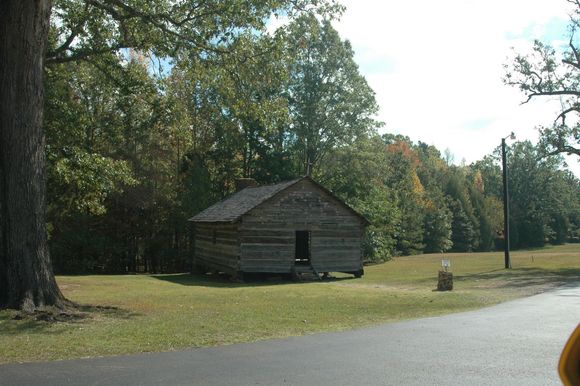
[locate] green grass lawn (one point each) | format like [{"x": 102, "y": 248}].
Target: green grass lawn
[{"x": 142, "y": 313}]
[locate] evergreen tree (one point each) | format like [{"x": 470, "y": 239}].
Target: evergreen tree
[{"x": 462, "y": 232}]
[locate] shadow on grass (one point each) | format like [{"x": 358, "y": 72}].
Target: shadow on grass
[
  {"x": 55, "y": 322},
  {"x": 526, "y": 277},
  {"x": 11, "y": 326},
  {"x": 224, "y": 281},
  {"x": 107, "y": 311}
]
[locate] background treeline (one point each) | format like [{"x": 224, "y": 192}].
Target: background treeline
[{"x": 138, "y": 141}]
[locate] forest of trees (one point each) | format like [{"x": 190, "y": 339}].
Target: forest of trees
[
  {"x": 140, "y": 139},
  {"x": 153, "y": 109}
]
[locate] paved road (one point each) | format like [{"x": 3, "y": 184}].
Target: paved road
[{"x": 514, "y": 343}]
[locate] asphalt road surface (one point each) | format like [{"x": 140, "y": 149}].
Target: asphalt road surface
[{"x": 514, "y": 343}]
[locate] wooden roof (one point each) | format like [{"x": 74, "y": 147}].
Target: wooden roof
[{"x": 235, "y": 206}]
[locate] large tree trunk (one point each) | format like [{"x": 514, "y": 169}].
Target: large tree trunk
[{"x": 26, "y": 278}]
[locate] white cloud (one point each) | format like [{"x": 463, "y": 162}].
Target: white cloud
[{"x": 436, "y": 67}]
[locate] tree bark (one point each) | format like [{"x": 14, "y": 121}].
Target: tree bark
[{"x": 26, "y": 278}]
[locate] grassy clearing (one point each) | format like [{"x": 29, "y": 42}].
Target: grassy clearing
[{"x": 142, "y": 313}]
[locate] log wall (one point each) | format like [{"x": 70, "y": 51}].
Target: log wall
[
  {"x": 217, "y": 246},
  {"x": 267, "y": 232}
]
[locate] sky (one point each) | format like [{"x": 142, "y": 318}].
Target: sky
[{"x": 437, "y": 66}]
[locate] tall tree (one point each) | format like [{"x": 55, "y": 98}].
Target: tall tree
[
  {"x": 465, "y": 226},
  {"x": 403, "y": 162},
  {"x": 437, "y": 227},
  {"x": 542, "y": 197},
  {"x": 330, "y": 102},
  {"x": 433, "y": 173},
  {"x": 462, "y": 230},
  {"x": 251, "y": 87},
  {"x": 26, "y": 278},
  {"x": 358, "y": 175}
]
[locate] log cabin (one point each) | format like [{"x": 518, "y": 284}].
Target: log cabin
[{"x": 293, "y": 227}]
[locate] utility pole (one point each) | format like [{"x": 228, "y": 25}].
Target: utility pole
[{"x": 506, "y": 212}]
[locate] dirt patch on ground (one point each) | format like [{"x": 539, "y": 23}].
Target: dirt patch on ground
[
  {"x": 377, "y": 286},
  {"x": 531, "y": 289},
  {"x": 74, "y": 313},
  {"x": 51, "y": 316},
  {"x": 69, "y": 287}
]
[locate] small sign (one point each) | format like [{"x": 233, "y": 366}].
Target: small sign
[{"x": 446, "y": 264}]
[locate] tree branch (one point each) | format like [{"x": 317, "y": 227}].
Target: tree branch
[
  {"x": 122, "y": 12},
  {"x": 564, "y": 149},
  {"x": 540, "y": 79},
  {"x": 551, "y": 93},
  {"x": 574, "y": 50},
  {"x": 85, "y": 54},
  {"x": 73, "y": 34},
  {"x": 569, "y": 110},
  {"x": 573, "y": 64},
  {"x": 154, "y": 19}
]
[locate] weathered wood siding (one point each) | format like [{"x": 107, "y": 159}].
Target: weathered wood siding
[
  {"x": 267, "y": 232},
  {"x": 220, "y": 252}
]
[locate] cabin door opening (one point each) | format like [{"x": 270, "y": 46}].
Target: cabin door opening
[{"x": 302, "y": 250}]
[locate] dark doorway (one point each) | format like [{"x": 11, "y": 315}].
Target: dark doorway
[{"x": 302, "y": 254}]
